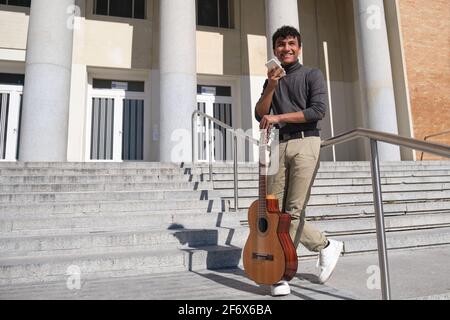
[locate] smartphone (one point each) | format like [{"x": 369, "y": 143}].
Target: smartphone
[{"x": 274, "y": 63}]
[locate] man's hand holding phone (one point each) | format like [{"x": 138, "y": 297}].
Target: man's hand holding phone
[{"x": 275, "y": 72}]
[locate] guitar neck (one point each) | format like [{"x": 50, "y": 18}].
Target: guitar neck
[
  {"x": 263, "y": 167},
  {"x": 262, "y": 190}
]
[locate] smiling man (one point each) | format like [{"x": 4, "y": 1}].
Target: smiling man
[{"x": 295, "y": 103}]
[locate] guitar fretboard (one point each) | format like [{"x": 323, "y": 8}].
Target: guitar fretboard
[{"x": 263, "y": 166}]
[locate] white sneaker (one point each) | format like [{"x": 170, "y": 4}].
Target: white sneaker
[
  {"x": 328, "y": 259},
  {"x": 280, "y": 289}
]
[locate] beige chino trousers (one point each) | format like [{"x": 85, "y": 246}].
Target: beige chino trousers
[{"x": 298, "y": 166}]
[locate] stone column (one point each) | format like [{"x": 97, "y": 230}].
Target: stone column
[
  {"x": 279, "y": 13},
  {"x": 374, "y": 64},
  {"x": 45, "y": 109},
  {"x": 178, "y": 78}
]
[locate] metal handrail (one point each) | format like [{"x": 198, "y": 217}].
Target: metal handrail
[
  {"x": 235, "y": 133},
  {"x": 432, "y": 136},
  {"x": 430, "y": 147},
  {"x": 375, "y": 136}
]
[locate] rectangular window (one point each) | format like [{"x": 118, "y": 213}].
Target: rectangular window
[
  {"x": 101, "y": 7},
  {"x": 130, "y": 86},
  {"x": 11, "y": 78},
  {"x": 120, "y": 8},
  {"x": 219, "y": 91},
  {"x": 215, "y": 13},
  {"x": 19, "y": 3},
  {"x": 139, "y": 9}
]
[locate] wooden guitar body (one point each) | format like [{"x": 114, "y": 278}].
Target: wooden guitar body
[{"x": 269, "y": 255}]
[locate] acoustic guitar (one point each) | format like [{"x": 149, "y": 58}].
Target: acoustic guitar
[{"x": 269, "y": 253}]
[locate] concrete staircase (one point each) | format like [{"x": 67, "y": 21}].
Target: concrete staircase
[{"x": 110, "y": 220}]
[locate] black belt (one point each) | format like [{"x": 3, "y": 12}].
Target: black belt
[{"x": 300, "y": 134}]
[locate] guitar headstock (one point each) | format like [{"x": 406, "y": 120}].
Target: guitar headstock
[
  {"x": 265, "y": 135},
  {"x": 264, "y": 154}
]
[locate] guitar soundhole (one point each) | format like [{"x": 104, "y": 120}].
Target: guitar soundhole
[{"x": 262, "y": 225}]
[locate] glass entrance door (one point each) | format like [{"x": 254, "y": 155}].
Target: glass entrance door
[
  {"x": 10, "y": 109},
  {"x": 133, "y": 129},
  {"x": 116, "y": 126},
  {"x": 217, "y": 103}
]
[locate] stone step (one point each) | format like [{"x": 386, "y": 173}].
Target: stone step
[
  {"x": 384, "y": 181},
  {"x": 396, "y": 240},
  {"x": 139, "y": 164},
  {"x": 337, "y": 169},
  {"x": 229, "y": 184},
  {"x": 156, "y": 175},
  {"x": 386, "y": 167},
  {"x": 402, "y": 222},
  {"x": 340, "y": 175},
  {"x": 129, "y": 209},
  {"x": 349, "y": 199},
  {"x": 347, "y": 217},
  {"x": 99, "y": 207},
  {"x": 389, "y": 163},
  {"x": 319, "y": 213},
  {"x": 163, "y": 195},
  {"x": 149, "y": 170},
  {"x": 162, "y": 220},
  {"x": 158, "y": 165},
  {"x": 246, "y": 195},
  {"x": 348, "y": 189},
  {"x": 15, "y": 270},
  {"x": 82, "y": 179},
  {"x": 44, "y": 179},
  {"x": 325, "y": 212},
  {"x": 342, "y": 166},
  {"x": 366, "y": 226},
  {"x": 384, "y": 188},
  {"x": 90, "y": 241},
  {"x": 387, "y": 197},
  {"x": 79, "y": 187},
  {"x": 133, "y": 208},
  {"x": 383, "y": 174},
  {"x": 105, "y": 171},
  {"x": 93, "y": 165}
]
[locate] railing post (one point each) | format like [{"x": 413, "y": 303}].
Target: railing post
[
  {"x": 235, "y": 163},
  {"x": 379, "y": 218},
  {"x": 211, "y": 126}
]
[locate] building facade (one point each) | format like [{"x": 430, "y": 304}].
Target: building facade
[{"x": 119, "y": 80}]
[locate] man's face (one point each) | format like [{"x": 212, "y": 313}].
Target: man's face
[{"x": 287, "y": 50}]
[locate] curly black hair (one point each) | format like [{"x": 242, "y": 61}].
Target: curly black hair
[{"x": 284, "y": 32}]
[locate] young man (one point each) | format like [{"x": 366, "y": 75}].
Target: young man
[{"x": 294, "y": 104}]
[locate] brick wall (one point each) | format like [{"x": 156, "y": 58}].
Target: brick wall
[{"x": 426, "y": 36}]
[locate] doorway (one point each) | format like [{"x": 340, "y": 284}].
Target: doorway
[
  {"x": 116, "y": 121},
  {"x": 10, "y": 111},
  {"x": 216, "y": 102}
]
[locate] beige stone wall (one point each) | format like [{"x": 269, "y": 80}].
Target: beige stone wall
[
  {"x": 238, "y": 51},
  {"x": 14, "y": 26},
  {"x": 114, "y": 42},
  {"x": 426, "y": 35}
]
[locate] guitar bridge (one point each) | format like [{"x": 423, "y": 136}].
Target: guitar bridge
[{"x": 260, "y": 256}]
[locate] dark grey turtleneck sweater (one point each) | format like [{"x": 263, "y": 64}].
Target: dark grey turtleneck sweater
[{"x": 302, "y": 89}]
